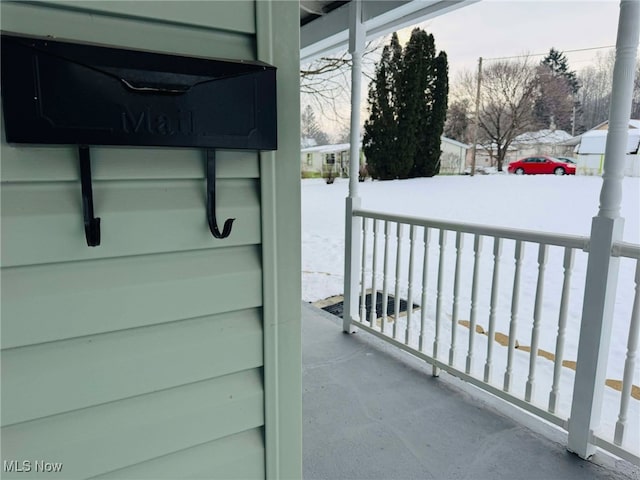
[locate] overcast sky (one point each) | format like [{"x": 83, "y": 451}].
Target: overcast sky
[
  {"x": 493, "y": 28},
  {"x": 504, "y": 28}
]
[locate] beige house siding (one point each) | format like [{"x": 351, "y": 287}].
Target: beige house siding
[
  {"x": 453, "y": 156},
  {"x": 158, "y": 354}
]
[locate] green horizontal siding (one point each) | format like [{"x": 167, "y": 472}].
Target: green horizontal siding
[
  {"x": 128, "y": 32},
  {"x": 236, "y": 457},
  {"x": 100, "y": 439},
  {"x": 46, "y": 303},
  {"x": 42, "y": 163},
  {"x": 223, "y": 15},
  {"x": 43, "y": 222},
  {"x": 142, "y": 357},
  {"x": 42, "y": 380}
]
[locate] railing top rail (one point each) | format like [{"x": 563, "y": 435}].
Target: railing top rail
[
  {"x": 626, "y": 249},
  {"x": 562, "y": 240}
]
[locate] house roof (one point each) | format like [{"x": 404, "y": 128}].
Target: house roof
[
  {"x": 340, "y": 147},
  {"x": 599, "y": 132},
  {"x": 546, "y": 136},
  {"x": 454, "y": 142},
  {"x": 595, "y": 142}
]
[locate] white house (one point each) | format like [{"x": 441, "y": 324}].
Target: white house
[
  {"x": 452, "y": 158},
  {"x": 591, "y": 147},
  {"x": 319, "y": 158},
  {"x": 486, "y": 156},
  {"x": 542, "y": 142}
]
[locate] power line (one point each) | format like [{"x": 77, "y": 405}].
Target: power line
[{"x": 546, "y": 53}]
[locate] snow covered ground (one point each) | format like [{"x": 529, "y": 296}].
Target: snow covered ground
[{"x": 542, "y": 203}]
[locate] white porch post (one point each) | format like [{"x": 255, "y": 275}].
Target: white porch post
[
  {"x": 352, "y": 231},
  {"x": 606, "y": 228}
]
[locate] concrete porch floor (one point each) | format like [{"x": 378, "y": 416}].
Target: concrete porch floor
[{"x": 371, "y": 412}]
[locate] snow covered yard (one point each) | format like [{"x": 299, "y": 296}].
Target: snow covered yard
[{"x": 544, "y": 203}]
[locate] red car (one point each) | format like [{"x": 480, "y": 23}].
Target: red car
[{"x": 541, "y": 164}]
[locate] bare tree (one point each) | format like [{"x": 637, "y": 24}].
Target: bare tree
[
  {"x": 507, "y": 102},
  {"x": 554, "y": 101},
  {"x": 595, "y": 91},
  {"x": 325, "y": 83},
  {"x": 458, "y": 120}
]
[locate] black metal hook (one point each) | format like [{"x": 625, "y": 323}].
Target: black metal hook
[
  {"x": 211, "y": 199},
  {"x": 91, "y": 224}
]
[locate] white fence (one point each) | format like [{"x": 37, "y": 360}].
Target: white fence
[{"x": 497, "y": 307}]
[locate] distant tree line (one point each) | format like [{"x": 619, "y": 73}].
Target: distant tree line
[
  {"x": 518, "y": 96},
  {"x": 407, "y": 109}
]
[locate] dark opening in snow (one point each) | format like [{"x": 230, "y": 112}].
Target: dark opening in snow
[{"x": 337, "y": 309}]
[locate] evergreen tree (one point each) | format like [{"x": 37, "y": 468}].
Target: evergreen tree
[
  {"x": 557, "y": 88},
  {"x": 417, "y": 81},
  {"x": 437, "y": 115},
  {"x": 407, "y": 105},
  {"x": 309, "y": 128},
  {"x": 424, "y": 106},
  {"x": 559, "y": 65},
  {"x": 380, "y": 129}
]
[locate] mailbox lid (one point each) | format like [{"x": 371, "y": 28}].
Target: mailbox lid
[{"x": 65, "y": 93}]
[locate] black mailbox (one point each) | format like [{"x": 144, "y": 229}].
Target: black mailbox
[{"x": 65, "y": 93}]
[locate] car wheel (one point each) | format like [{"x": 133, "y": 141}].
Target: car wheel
[
  {"x": 559, "y": 171},
  {"x": 519, "y": 171}
]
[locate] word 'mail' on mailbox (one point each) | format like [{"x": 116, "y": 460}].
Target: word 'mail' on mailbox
[{"x": 67, "y": 93}]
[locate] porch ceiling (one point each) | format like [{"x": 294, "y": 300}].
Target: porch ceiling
[{"x": 324, "y": 25}]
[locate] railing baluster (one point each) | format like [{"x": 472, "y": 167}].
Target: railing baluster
[
  {"x": 513, "y": 324},
  {"x": 412, "y": 234},
  {"x": 535, "y": 331},
  {"x": 497, "y": 250},
  {"x": 363, "y": 287},
  {"x": 385, "y": 276},
  {"x": 630, "y": 361},
  {"x": 441, "y": 267},
  {"x": 396, "y": 312},
  {"x": 477, "y": 249},
  {"x": 562, "y": 326},
  {"x": 423, "y": 304},
  {"x": 374, "y": 296},
  {"x": 456, "y": 295}
]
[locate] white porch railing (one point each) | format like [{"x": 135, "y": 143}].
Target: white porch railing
[
  {"x": 584, "y": 304},
  {"x": 523, "y": 298},
  {"x": 628, "y": 420}
]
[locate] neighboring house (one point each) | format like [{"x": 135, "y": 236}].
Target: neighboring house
[
  {"x": 542, "y": 142},
  {"x": 452, "y": 158},
  {"x": 320, "y": 158},
  {"x": 590, "y": 148},
  {"x": 486, "y": 156}
]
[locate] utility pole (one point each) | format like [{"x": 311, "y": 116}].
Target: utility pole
[
  {"x": 474, "y": 136},
  {"x": 573, "y": 117}
]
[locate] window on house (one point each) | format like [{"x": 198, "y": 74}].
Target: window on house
[
  {"x": 330, "y": 159},
  {"x": 309, "y": 159}
]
